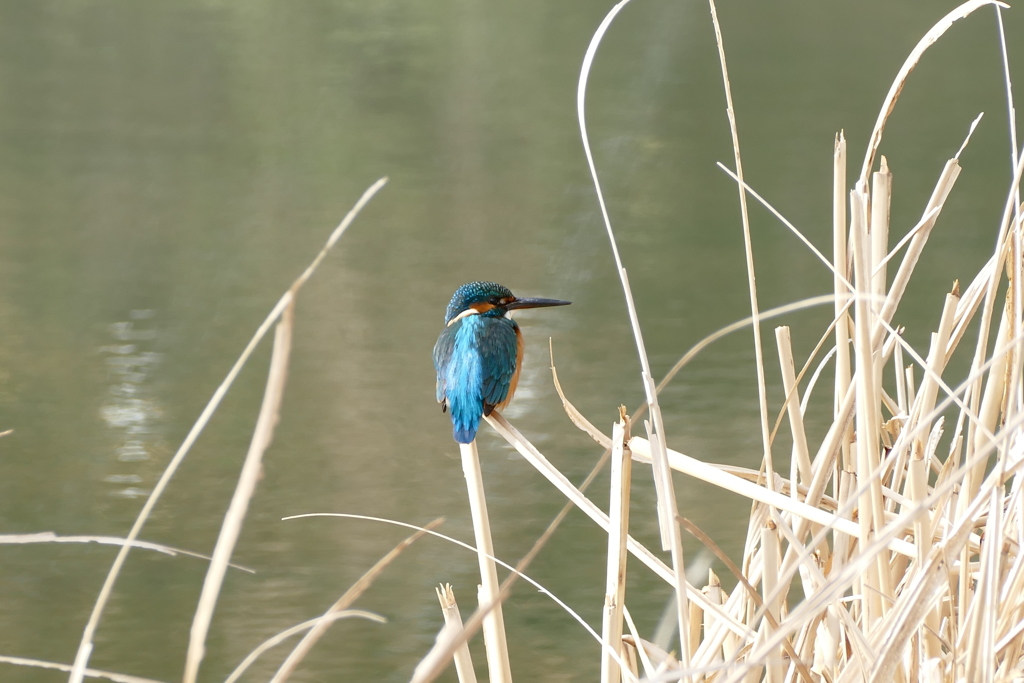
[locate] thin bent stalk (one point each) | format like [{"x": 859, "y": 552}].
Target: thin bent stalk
[
  {"x": 86, "y": 644},
  {"x": 670, "y": 534},
  {"x": 50, "y": 537},
  {"x": 747, "y": 247},
  {"x": 91, "y": 673},
  {"x": 911, "y": 61},
  {"x": 252, "y": 469},
  {"x": 344, "y": 602},
  {"x": 284, "y": 635}
]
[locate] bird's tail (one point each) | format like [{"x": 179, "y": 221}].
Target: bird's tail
[{"x": 466, "y": 433}]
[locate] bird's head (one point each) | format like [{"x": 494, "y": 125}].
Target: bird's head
[{"x": 489, "y": 298}]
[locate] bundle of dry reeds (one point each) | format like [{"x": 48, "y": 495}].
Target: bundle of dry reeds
[{"x": 884, "y": 553}]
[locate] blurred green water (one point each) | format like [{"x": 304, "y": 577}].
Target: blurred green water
[{"x": 167, "y": 169}]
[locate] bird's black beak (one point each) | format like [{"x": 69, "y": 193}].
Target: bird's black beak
[{"x": 536, "y": 303}]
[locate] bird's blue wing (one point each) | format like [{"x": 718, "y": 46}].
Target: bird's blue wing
[
  {"x": 443, "y": 350},
  {"x": 475, "y": 359},
  {"x": 498, "y": 344}
]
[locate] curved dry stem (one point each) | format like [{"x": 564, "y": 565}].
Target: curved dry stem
[
  {"x": 748, "y": 250},
  {"x": 540, "y": 589},
  {"x": 91, "y": 673},
  {"x": 50, "y": 537},
  {"x": 929, "y": 39},
  {"x": 308, "y": 625},
  {"x": 86, "y": 644},
  {"x": 344, "y": 602},
  {"x": 670, "y": 534}
]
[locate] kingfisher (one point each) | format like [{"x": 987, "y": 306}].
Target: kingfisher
[{"x": 479, "y": 353}]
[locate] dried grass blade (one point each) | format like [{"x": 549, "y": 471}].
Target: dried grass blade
[
  {"x": 231, "y": 528},
  {"x": 929, "y": 38},
  {"x": 713, "y": 475},
  {"x": 345, "y": 601},
  {"x": 50, "y": 537},
  {"x": 881, "y": 197},
  {"x": 575, "y": 416},
  {"x": 615, "y": 577},
  {"x": 801, "y": 459},
  {"x": 589, "y": 508},
  {"x": 722, "y": 332},
  {"x": 843, "y": 290},
  {"x": 284, "y": 635},
  {"x": 870, "y": 506},
  {"x": 787, "y": 223},
  {"x": 515, "y": 572},
  {"x": 453, "y": 621},
  {"x": 91, "y": 673},
  {"x": 747, "y": 249},
  {"x": 950, "y": 172}
]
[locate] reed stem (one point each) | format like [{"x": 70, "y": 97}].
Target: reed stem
[{"x": 494, "y": 623}]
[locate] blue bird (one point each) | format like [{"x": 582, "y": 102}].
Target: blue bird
[{"x": 479, "y": 353}]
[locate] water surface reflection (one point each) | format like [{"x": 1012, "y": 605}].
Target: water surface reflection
[{"x": 167, "y": 169}]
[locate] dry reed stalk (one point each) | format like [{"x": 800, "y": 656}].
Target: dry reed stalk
[
  {"x": 943, "y": 187},
  {"x": 748, "y": 249},
  {"x": 448, "y": 641},
  {"x": 495, "y": 644},
  {"x": 770, "y": 560},
  {"x": 730, "y": 482},
  {"x": 252, "y": 470},
  {"x": 86, "y": 643},
  {"x": 923, "y": 401},
  {"x": 588, "y": 507},
  {"x": 615, "y": 581},
  {"x": 1018, "y": 288},
  {"x": 916, "y": 605},
  {"x": 870, "y": 507},
  {"x": 881, "y": 197},
  {"x": 453, "y": 620},
  {"x": 800, "y": 465},
  {"x": 671, "y": 538},
  {"x": 91, "y": 673},
  {"x": 917, "y": 483},
  {"x": 345, "y": 601},
  {"x": 911, "y": 61},
  {"x": 716, "y": 596},
  {"x": 843, "y": 294},
  {"x": 515, "y": 572},
  {"x": 50, "y": 537},
  {"x": 636, "y": 644},
  {"x": 696, "y": 623},
  {"x": 305, "y": 626}
]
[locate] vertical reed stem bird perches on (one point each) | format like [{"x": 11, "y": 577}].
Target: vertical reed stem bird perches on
[{"x": 478, "y": 357}]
